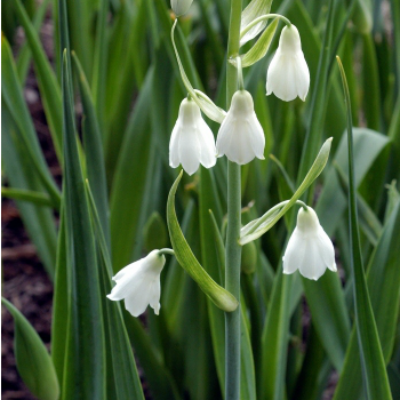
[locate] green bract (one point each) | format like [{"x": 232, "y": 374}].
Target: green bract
[{"x": 219, "y": 296}]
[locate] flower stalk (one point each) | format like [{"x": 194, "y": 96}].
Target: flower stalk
[{"x": 233, "y": 249}]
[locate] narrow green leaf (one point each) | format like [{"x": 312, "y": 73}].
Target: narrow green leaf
[
  {"x": 127, "y": 216},
  {"x": 85, "y": 360},
  {"x": 383, "y": 277},
  {"x": 49, "y": 87},
  {"x": 122, "y": 378},
  {"x": 37, "y": 198},
  {"x": 33, "y": 361},
  {"x": 319, "y": 93},
  {"x": 217, "y": 294},
  {"x": 271, "y": 376},
  {"x": 38, "y": 220},
  {"x": 61, "y": 302},
  {"x": 24, "y": 56},
  {"x": 13, "y": 98},
  {"x": 95, "y": 166},
  {"x": 99, "y": 73},
  {"x": 369, "y": 223},
  {"x": 372, "y": 361}
]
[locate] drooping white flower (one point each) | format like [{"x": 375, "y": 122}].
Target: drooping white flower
[
  {"x": 241, "y": 136},
  {"x": 180, "y": 7},
  {"x": 192, "y": 142},
  {"x": 288, "y": 75},
  {"x": 309, "y": 249},
  {"x": 139, "y": 284}
]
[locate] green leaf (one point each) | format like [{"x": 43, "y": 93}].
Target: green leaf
[
  {"x": 372, "y": 360},
  {"x": 13, "y": 98},
  {"x": 128, "y": 202},
  {"x": 122, "y": 378},
  {"x": 367, "y": 146},
  {"x": 33, "y": 361},
  {"x": 38, "y": 220},
  {"x": 258, "y": 227},
  {"x": 369, "y": 223},
  {"x": 217, "y": 294},
  {"x": 49, "y": 87},
  {"x": 260, "y": 48},
  {"x": 26, "y": 195},
  {"x": 85, "y": 359},
  {"x": 24, "y": 56},
  {"x": 61, "y": 303},
  {"x": 383, "y": 277},
  {"x": 92, "y": 138}
]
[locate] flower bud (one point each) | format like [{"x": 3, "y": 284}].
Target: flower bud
[
  {"x": 241, "y": 136},
  {"x": 288, "y": 75},
  {"x": 180, "y": 7}
]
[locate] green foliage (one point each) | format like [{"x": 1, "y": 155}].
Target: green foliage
[
  {"x": 33, "y": 361},
  {"x": 121, "y": 98}
]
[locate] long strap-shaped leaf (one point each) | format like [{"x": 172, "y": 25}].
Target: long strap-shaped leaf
[
  {"x": 122, "y": 378},
  {"x": 217, "y": 294},
  {"x": 372, "y": 361},
  {"x": 13, "y": 98},
  {"x": 49, "y": 87},
  {"x": 95, "y": 167},
  {"x": 84, "y": 369}
]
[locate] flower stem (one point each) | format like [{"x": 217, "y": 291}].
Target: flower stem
[
  {"x": 167, "y": 251},
  {"x": 233, "y": 249},
  {"x": 264, "y": 18}
]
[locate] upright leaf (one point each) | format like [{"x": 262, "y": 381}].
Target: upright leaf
[
  {"x": 84, "y": 360},
  {"x": 372, "y": 361}
]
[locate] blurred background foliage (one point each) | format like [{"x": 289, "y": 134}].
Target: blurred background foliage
[{"x": 110, "y": 109}]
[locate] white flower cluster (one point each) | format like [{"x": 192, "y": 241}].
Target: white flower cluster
[{"x": 241, "y": 136}]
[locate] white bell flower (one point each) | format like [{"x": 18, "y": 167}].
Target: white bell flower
[
  {"x": 180, "y": 7},
  {"x": 309, "y": 249},
  {"x": 288, "y": 75},
  {"x": 241, "y": 136},
  {"x": 192, "y": 141},
  {"x": 139, "y": 284}
]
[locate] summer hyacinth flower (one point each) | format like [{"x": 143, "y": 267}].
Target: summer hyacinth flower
[
  {"x": 288, "y": 75},
  {"x": 139, "y": 284},
  {"x": 180, "y": 7},
  {"x": 240, "y": 136},
  {"x": 192, "y": 142},
  {"x": 309, "y": 249}
]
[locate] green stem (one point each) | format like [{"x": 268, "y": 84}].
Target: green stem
[{"x": 233, "y": 249}]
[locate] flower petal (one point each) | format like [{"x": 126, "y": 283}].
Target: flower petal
[
  {"x": 173, "y": 147},
  {"x": 207, "y": 145},
  {"x": 189, "y": 150}
]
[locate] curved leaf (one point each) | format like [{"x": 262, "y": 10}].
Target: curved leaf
[
  {"x": 33, "y": 361},
  {"x": 219, "y": 296}
]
